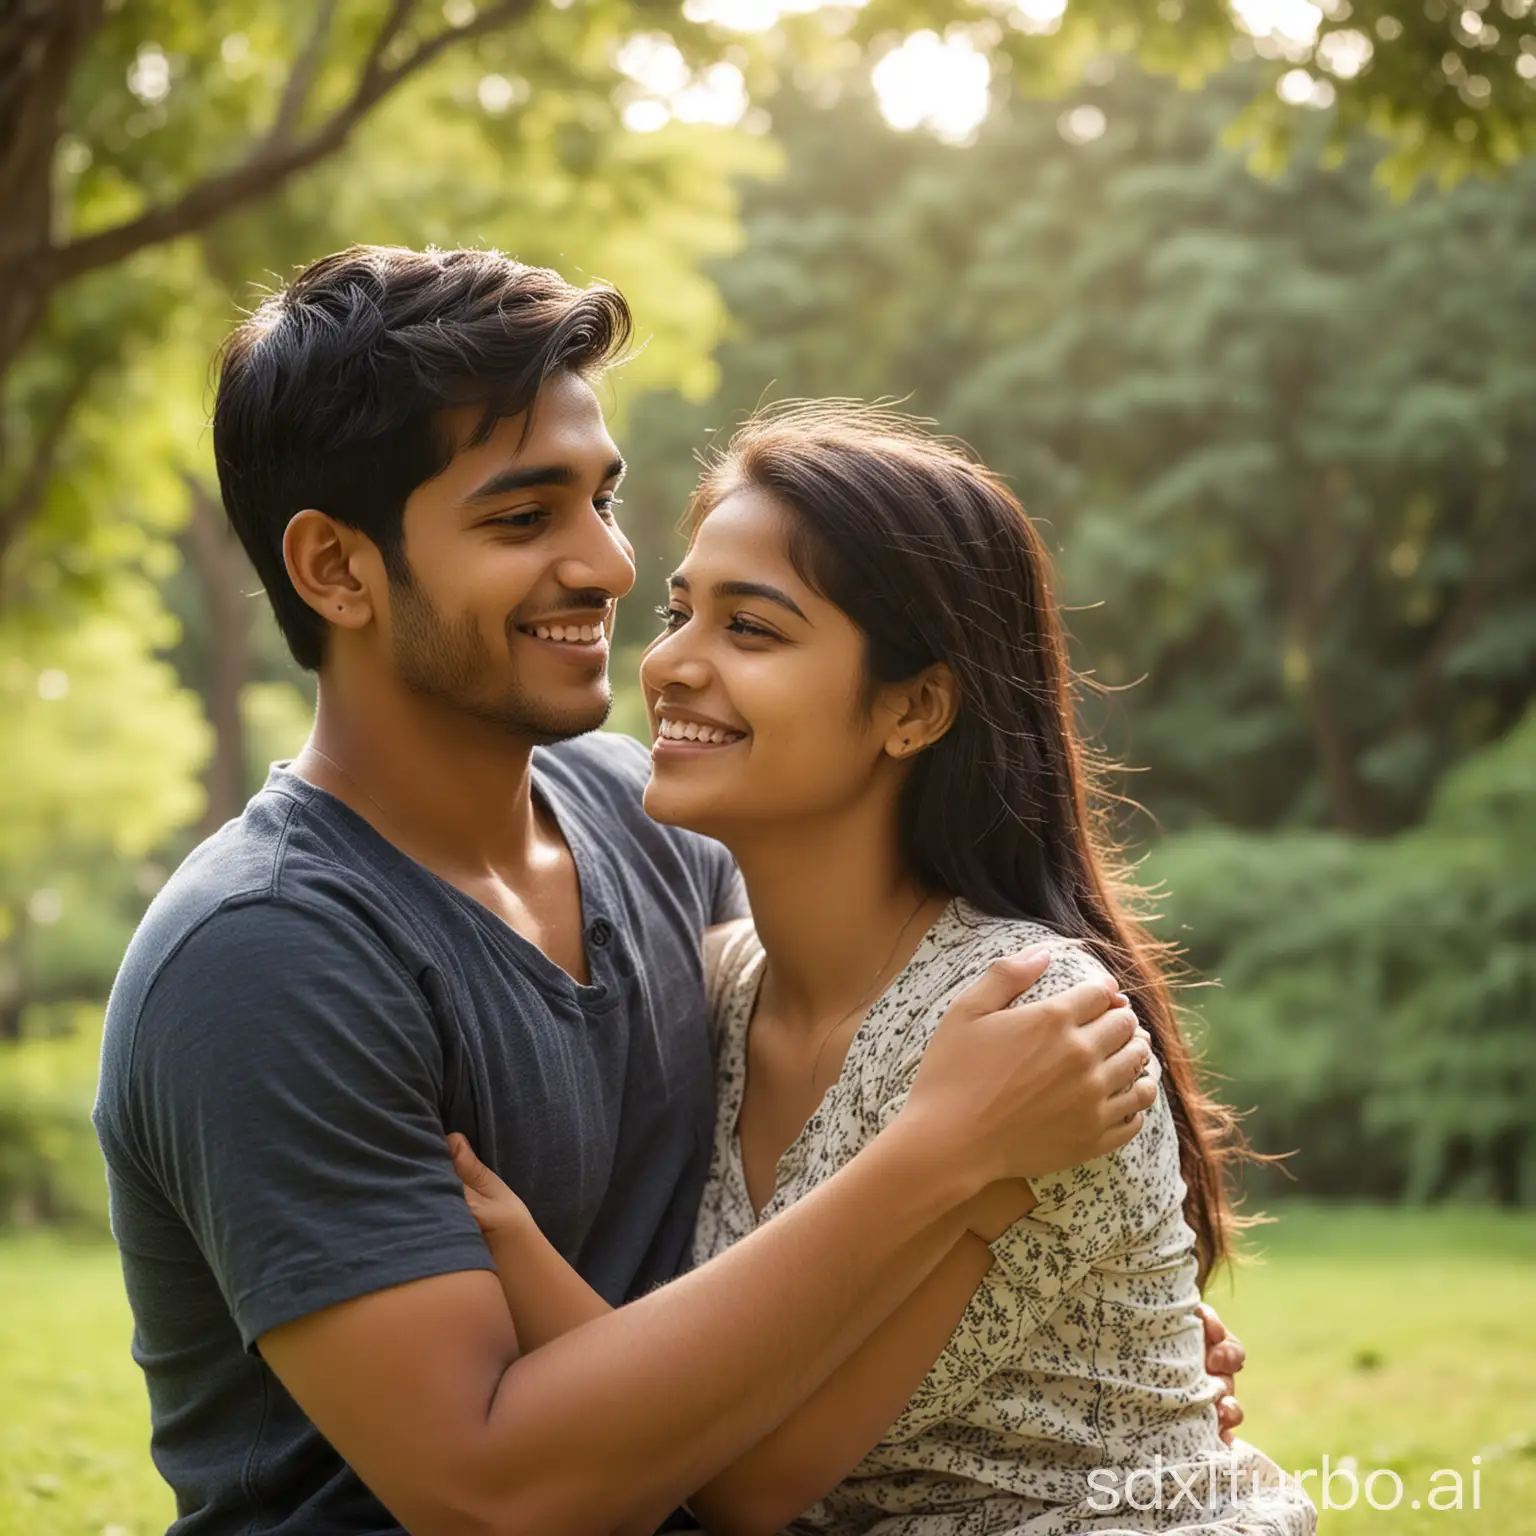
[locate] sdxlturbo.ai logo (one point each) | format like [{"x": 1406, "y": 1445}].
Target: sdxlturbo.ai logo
[{"x": 1210, "y": 1487}]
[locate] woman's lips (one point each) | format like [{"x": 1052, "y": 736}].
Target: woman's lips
[{"x": 708, "y": 737}]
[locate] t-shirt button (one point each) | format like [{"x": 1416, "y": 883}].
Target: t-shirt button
[{"x": 599, "y": 934}]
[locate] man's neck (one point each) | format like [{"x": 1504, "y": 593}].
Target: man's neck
[{"x": 452, "y": 792}]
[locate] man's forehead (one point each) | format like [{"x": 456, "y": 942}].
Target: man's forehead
[
  {"x": 566, "y": 410},
  {"x": 564, "y": 425}
]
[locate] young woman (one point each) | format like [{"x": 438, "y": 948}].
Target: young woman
[{"x": 862, "y": 689}]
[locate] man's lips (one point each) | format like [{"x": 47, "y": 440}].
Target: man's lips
[
  {"x": 574, "y": 630},
  {"x": 581, "y": 642}
]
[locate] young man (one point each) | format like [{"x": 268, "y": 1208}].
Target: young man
[{"x": 435, "y": 921}]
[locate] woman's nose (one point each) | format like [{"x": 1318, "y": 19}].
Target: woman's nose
[{"x": 673, "y": 660}]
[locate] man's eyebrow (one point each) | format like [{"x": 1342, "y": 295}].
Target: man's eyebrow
[
  {"x": 746, "y": 589},
  {"x": 508, "y": 480}
]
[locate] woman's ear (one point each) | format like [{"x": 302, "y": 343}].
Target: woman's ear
[
  {"x": 322, "y": 557},
  {"x": 924, "y": 708}
]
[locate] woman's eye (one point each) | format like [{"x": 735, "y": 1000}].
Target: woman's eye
[
  {"x": 606, "y": 504},
  {"x": 671, "y": 617},
  {"x": 742, "y": 625}
]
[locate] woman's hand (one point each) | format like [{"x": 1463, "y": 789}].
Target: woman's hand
[
  {"x": 1224, "y": 1358},
  {"x": 497, "y": 1211},
  {"x": 545, "y": 1296},
  {"x": 1009, "y": 1092}
]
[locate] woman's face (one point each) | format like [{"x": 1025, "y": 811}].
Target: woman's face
[{"x": 755, "y": 687}]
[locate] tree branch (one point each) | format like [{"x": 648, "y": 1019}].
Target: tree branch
[
  {"x": 17, "y": 508},
  {"x": 1492, "y": 559},
  {"x": 301, "y": 78},
  {"x": 271, "y": 166},
  {"x": 39, "y": 47}
]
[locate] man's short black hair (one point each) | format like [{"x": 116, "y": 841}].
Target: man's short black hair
[{"x": 330, "y": 395}]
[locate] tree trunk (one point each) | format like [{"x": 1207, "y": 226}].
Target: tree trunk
[
  {"x": 1335, "y": 757},
  {"x": 223, "y": 573},
  {"x": 40, "y": 43},
  {"x": 13, "y": 970}
]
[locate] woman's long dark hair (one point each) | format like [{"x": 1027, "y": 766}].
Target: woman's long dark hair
[{"x": 933, "y": 558}]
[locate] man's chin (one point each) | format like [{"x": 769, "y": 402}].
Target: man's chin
[{"x": 547, "y": 723}]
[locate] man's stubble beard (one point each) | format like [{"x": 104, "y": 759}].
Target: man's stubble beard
[{"x": 450, "y": 663}]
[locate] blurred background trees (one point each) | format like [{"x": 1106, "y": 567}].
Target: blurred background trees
[
  {"x": 1281, "y": 433},
  {"x": 1242, "y": 299}
]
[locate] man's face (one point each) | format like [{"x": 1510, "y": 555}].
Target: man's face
[{"x": 515, "y": 564}]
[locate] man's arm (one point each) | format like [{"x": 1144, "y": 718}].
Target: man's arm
[
  {"x": 817, "y": 1446},
  {"x": 419, "y": 1387}
]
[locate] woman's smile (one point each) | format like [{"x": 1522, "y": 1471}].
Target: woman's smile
[{"x": 684, "y": 736}]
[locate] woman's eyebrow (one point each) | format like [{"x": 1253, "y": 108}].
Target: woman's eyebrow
[{"x": 747, "y": 589}]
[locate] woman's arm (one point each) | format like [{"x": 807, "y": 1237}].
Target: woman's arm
[
  {"x": 812, "y": 1451},
  {"x": 545, "y": 1296},
  {"x": 819, "y": 1445}
]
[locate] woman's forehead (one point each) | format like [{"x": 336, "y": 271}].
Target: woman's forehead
[{"x": 747, "y": 525}]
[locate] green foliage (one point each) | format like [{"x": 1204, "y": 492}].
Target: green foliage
[
  {"x": 50, "y": 1163},
  {"x": 1376, "y": 997},
  {"x": 1280, "y": 432},
  {"x": 509, "y": 134},
  {"x": 105, "y": 747},
  {"x": 1446, "y": 98},
  {"x": 277, "y": 721}
]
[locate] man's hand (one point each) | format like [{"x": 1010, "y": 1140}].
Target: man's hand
[
  {"x": 1016, "y": 1092},
  {"x": 1224, "y": 1358}
]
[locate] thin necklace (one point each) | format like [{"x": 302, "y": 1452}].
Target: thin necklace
[
  {"x": 874, "y": 983},
  {"x": 327, "y": 758}
]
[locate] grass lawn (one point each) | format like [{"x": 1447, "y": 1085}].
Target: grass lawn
[{"x": 1404, "y": 1340}]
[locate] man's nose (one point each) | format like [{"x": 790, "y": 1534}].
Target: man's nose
[{"x": 597, "y": 556}]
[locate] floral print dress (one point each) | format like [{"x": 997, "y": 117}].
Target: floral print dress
[{"x": 1072, "y": 1396}]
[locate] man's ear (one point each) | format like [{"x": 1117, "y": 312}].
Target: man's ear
[
  {"x": 329, "y": 566},
  {"x": 923, "y": 709}
]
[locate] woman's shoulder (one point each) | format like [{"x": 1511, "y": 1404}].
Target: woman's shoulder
[
  {"x": 956, "y": 951},
  {"x": 732, "y": 957},
  {"x": 966, "y": 940}
]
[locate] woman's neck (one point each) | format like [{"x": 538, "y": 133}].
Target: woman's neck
[{"x": 835, "y": 910}]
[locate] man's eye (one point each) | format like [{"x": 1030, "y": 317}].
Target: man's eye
[{"x": 523, "y": 520}]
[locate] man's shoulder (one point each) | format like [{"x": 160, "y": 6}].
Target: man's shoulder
[
  {"x": 252, "y": 909},
  {"x": 238, "y": 866}
]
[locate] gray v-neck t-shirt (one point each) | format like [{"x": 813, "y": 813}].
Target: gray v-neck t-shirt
[{"x": 302, "y": 1016}]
